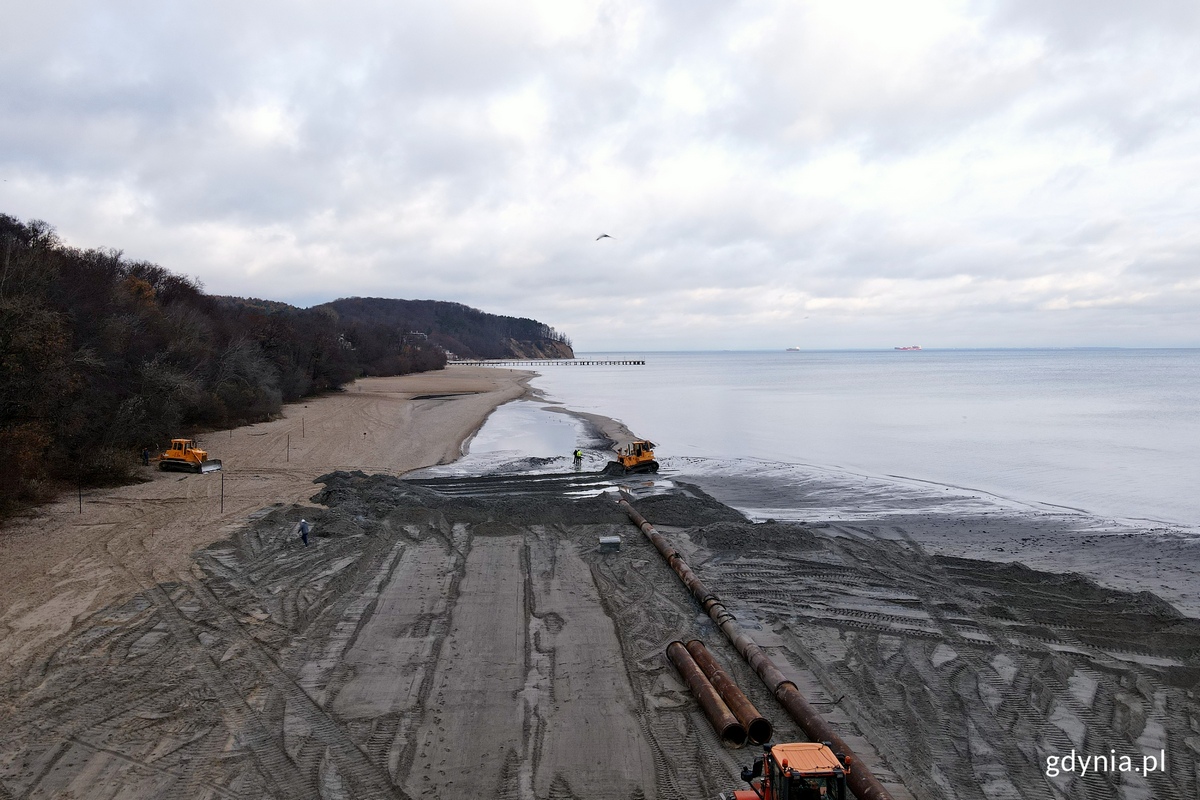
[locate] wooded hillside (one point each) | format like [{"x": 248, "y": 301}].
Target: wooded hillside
[
  {"x": 467, "y": 332},
  {"x": 101, "y": 356}
]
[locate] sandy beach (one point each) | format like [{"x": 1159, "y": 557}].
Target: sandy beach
[
  {"x": 466, "y": 637},
  {"x": 61, "y": 564}
]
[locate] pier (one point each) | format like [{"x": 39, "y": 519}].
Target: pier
[{"x": 549, "y": 362}]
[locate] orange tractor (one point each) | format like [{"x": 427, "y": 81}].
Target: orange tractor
[
  {"x": 797, "y": 771},
  {"x": 185, "y": 456},
  {"x": 637, "y": 456}
]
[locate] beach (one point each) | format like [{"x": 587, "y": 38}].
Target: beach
[
  {"x": 465, "y": 636},
  {"x": 63, "y": 563}
]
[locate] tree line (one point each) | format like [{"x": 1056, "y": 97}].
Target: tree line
[
  {"x": 101, "y": 356},
  {"x": 467, "y": 332}
]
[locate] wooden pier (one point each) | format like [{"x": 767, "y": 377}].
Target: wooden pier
[{"x": 549, "y": 362}]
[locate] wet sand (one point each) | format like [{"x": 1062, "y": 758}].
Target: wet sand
[
  {"x": 465, "y": 637},
  {"x": 1119, "y": 555}
]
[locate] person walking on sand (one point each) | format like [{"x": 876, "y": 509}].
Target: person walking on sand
[
  {"x": 145, "y": 456},
  {"x": 304, "y": 529},
  {"x": 578, "y": 454}
]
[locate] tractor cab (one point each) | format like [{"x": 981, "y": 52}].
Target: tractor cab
[
  {"x": 638, "y": 449},
  {"x": 797, "y": 771}
]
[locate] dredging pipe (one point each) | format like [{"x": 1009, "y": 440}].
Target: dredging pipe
[
  {"x": 758, "y": 728},
  {"x": 860, "y": 780},
  {"x": 723, "y": 721}
]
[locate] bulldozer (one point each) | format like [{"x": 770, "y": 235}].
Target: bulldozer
[
  {"x": 185, "y": 456},
  {"x": 637, "y": 456},
  {"x": 796, "y": 771}
]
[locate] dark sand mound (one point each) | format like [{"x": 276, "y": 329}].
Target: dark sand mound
[
  {"x": 466, "y": 638},
  {"x": 967, "y": 675}
]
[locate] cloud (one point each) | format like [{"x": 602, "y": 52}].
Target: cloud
[
  {"x": 1084, "y": 24},
  {"x": 845, "y": 174}
]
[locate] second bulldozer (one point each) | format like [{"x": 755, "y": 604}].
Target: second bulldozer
[
  {"x": 637, "y": 456},
  {"x": 185, "y": 456}
]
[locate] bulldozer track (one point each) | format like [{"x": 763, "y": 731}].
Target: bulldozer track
[
  {"x": 249, "y": 672},
  {"x": 353, "y": 763},
  {"x": 262, "y": 742}
]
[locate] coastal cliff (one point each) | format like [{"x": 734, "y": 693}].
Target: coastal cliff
[
  {"x": 456, "y": 328},
  {"x": 541, "y": 348}
]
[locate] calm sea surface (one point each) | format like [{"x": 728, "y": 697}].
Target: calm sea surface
[{"x": 1114, "y": 433}]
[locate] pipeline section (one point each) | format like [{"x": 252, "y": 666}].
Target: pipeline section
[
  {"x": 860, "y": 780},
  {"x": 758, "y": 728},
  {"x": 723, "y": 721}
]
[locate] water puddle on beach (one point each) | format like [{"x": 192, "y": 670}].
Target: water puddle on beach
[
  {"x": 531, "y": 438},
  {"x": 521, "y": 436}
]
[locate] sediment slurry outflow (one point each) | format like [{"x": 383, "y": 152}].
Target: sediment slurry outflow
[{"x": 466, "y": 637}]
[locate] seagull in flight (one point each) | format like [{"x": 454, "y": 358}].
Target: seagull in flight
[{"x": 604, "y": 236}]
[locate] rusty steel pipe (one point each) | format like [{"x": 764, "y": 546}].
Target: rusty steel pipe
[
  {"x": 674, "y": 560},
  {"x": 723, "y": 720},
  {"x": 860, "y": 780},
  {"x": 758, "y": 728}
]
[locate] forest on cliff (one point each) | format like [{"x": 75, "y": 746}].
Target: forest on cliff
[
  {"x": 101, "y": 356},
  {"x": 467, "y": 332}
]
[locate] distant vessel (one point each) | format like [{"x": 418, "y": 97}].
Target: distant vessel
[
  {"x": 910, "y": 347},
  {"x": 793, "y": 350}
]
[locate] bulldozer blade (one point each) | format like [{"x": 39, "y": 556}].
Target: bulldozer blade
[
  {"x": 212, "y": 465},
  {"x": 617, "y": 468}
]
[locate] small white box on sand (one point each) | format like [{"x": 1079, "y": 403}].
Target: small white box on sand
[{"x": 610, "y": 543}]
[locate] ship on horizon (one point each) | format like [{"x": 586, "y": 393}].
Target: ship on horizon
[
  {"x": 908, "y": 347},
  {"x": 792, "y": 350}
]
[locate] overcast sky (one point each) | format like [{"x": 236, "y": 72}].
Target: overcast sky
[{"x": 818, "y": 174}]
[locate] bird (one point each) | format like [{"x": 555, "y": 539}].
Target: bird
[{"x": 604, "y": 236}]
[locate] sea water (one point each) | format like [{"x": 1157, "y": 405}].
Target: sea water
[{"x": 1111, "y": 433}]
